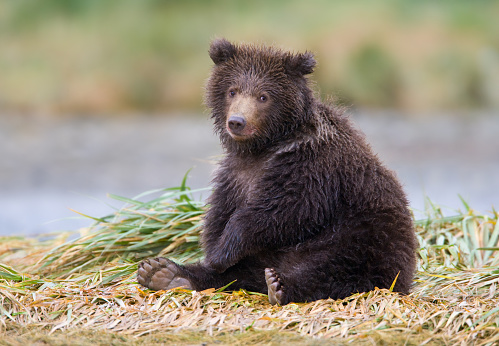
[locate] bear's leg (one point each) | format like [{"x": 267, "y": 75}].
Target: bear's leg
[
  {"x": 163, "y": 274},
  {"x": 311, "y": 271}
]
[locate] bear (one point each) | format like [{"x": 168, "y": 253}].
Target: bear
[{"x": 301, "y": 209}]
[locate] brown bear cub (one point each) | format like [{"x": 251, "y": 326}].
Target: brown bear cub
[{"x": 302, "y": 209}]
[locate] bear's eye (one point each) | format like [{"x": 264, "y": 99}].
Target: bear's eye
[
  {"x": 263, "y": 98},
  {"x": 232, "y": 93}
]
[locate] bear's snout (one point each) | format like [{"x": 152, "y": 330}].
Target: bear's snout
[{"x": 236, "y": 124}]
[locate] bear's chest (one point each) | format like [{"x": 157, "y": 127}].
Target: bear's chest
[{"x": 246, "y": 178}]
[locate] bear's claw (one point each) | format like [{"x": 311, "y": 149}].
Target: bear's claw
[
  {"x": 161, "y": 274},
  {"x": 275, "y": 287}
]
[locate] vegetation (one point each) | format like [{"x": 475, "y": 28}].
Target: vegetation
[
  {"x": 90, "y": 56},
  {"x": 61, "y": 291}
]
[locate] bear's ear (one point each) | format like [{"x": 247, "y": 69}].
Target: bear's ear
[
  {"x": 302, "y": 63},
  {"x": 221, "y": 50}
]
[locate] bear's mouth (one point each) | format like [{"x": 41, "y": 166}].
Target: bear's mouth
[{"x": 238, "y": 136}]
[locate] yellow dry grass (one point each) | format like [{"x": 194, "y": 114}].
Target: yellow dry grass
[{"x": 455, "y": 299}]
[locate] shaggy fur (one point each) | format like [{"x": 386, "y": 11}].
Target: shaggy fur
[{"x": 303, "y": 196}]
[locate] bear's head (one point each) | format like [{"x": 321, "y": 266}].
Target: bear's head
[{"x": 258, "y": 95}]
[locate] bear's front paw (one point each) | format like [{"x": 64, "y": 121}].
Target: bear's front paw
[
  {"x": 226, "y": 253},
  {"x": 220, "y": 258},
  {"x": 161, "y": 274},
  {"x": 216, "y": 263}
]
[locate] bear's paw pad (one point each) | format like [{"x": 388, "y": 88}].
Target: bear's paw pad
[
  {"x": 160, "y": 274},
  {"x": 275, "y": 287}
]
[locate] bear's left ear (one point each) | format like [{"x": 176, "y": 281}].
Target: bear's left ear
[
  {"x": 221, "y": 50},
  {"x": 302, "y": 63}
]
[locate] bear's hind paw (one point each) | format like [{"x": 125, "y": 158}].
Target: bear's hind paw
[
  {"x": 160, "y": 274},
  {"x": 275, "y": 287}
]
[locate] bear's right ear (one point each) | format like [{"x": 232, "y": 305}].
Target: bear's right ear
[{"x": 221, "y": 50}]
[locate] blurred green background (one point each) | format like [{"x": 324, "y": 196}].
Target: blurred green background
[{"x": 150, "y": 56}]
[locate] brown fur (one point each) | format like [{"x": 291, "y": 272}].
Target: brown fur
[{"x": 299, "y": 192}]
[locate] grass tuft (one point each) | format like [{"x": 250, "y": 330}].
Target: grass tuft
[{"x": 168, "y": 225}]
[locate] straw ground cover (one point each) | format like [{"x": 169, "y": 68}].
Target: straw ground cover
[{"x": 84, "y": 291}]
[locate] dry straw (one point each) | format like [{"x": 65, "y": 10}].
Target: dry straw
[{"x": 89, "y": 283}]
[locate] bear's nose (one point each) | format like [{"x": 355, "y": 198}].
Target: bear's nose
[{"x": 236, "y": 123}]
